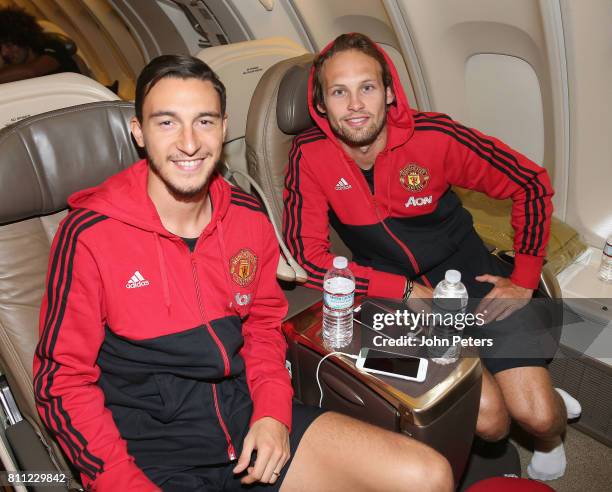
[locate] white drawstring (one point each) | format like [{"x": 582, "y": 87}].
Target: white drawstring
[
  {"x": 319, "y": 367},
  {"x": 298, "y": 273}
]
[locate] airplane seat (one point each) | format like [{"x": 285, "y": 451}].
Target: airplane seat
[
  {"x": 273, "y": 120},
  {"x": 24, "y": 98},
  {"x": 240, "y": 66},
  {"x": 277, "y": 113},
  {"x": 46, "y": 157}
]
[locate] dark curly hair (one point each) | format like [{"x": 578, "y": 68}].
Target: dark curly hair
[{"x": 20, "y": 28}]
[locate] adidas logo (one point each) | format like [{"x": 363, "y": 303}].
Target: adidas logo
[
  {"x": 342, "y": 185},
  {"x": 136, "y": 281}
]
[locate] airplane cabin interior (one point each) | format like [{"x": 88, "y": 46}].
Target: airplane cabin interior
[{"x": 534, "y": 73}]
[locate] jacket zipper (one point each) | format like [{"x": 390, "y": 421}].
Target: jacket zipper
[
  {"x": 226, "y": 366},
  {"x": 231, "y": 452},
  {"x": 409, "y": 254},
  {"x": 403, "y": 247}
]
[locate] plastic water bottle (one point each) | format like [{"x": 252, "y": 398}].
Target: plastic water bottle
[
  {"x": 605, "y": 269},
  {"x": 450, "y": 296},
  {"x": 338, "y": 297}
]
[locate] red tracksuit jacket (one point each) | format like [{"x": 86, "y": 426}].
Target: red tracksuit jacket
[
  {"x": 413, "y": 221},
  {"x": 151, "y": 352}
]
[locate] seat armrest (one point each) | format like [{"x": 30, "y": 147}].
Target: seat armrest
[{"x": 32, "y": 456}]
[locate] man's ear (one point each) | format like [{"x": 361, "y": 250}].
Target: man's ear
[
  {"x": 390, "y": 95},
  {"x": 224, "y": 126},
  {"x": 321, "y": 108},
  {"x": 137, "y": 131}
]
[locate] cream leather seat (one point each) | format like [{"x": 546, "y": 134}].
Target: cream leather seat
[
  {"x": 275, "y": 117},
  {"x": 19, "y": 100},
  {"x": 45, "y": 159},
  {"x": 277, "y": 113},
  {"x": 240, "y": 66}
]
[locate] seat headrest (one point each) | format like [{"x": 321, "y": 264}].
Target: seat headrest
[
  {"x": 292, "y": 104},
  {"x": 240, "y": 67},
  {"x": 47, "y": 157},
  {"x": 28, "y": 97}
]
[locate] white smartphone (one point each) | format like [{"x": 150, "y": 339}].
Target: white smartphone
[{"x": 394, "y": 365}]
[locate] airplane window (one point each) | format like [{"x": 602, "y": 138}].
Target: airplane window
[{"x": 502, "y": 89}]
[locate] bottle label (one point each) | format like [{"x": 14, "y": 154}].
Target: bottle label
[
  {"x": 338, "y": 301},
  {"x": 608, "y": 249}
]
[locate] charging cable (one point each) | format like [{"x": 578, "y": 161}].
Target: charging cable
[{"x": 319, "y": 367}]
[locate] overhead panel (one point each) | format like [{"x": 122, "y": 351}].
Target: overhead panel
[
  {"x": 498, "y": 66},
  {"x": 203, "y": 22},
  {"x": 152, "y": 27},
  {"x": 266, "y": 19}
]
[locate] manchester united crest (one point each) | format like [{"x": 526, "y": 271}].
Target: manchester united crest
[
  {"x": 243, "y": 266},
  {"x": 414, "y": 177}
]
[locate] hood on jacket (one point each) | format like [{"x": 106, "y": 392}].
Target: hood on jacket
[
  {"x": 124, "y": 197},
  {"x": 400, "y": 122}
]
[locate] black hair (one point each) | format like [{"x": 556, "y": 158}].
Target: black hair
[
  {"x": 20, "y": 28},
  {"x": 179, "y": 67},
  {"x": 345, "y": 42}
]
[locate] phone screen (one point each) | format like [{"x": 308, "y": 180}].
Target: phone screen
[{"x": 396, "y": 364}]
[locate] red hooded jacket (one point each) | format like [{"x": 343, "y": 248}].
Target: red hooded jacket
[
  {"x": 149, "y": 351},
  {"x": 413, "y": 222}
]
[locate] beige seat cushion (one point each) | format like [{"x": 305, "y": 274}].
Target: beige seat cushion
[{"x": 492, "y": 222}]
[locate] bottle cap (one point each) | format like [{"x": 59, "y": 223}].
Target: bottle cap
[
  {"x": 340, "y": 262},
  {"x": 453, "y": 276}
]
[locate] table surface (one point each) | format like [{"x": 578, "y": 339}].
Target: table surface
[{"x": 307, "y": 327}]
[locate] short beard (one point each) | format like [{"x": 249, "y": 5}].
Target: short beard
[
  {"x": 368, "y": 137},
  {"x": 181, "y": 195},
  {"x": 358, "y": 140}
]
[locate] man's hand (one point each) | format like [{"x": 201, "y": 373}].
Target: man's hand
[
  {"x": 271, "y": 440},
  {"x": 504, "y": 299}
]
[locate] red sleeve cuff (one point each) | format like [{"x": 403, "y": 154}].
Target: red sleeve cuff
[
  {"x": 527, "y": 270},
  {"x": 389, "y": 285},
  {"x": 273, "y": 400}
]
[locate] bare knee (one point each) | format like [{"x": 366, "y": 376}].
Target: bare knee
[
  {"x": 426, "y": 471},
  {"x": 493, "y": 426},
  {"x": 541, "y": 421},
  {"x": 493, "y": 421},
  {"x": 438, "y": 475},
  {"x": 531, "y": 400}
]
